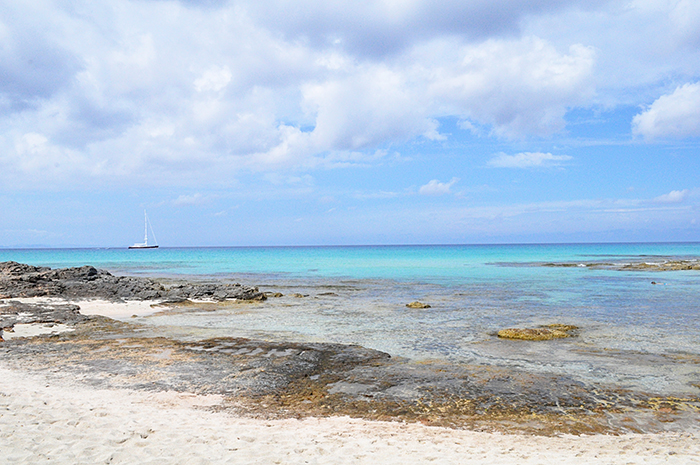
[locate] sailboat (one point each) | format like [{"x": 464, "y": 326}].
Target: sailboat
[{"x": 145, "y": 244}]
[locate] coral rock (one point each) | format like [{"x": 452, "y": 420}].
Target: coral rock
[
  {"x": 417, "y": 304},
  {"x": 546, "y": 333}
]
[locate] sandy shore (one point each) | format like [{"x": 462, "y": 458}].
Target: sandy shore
[
  {"x": 49, "y": 417},
  {"x": 53, "y": 420}
]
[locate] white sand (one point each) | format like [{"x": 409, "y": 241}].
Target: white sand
[
  {"x": 116, "y": 310},
  {"x": 54, "y": 420}
]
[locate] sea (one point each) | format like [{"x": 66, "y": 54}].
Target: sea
[{"x": 632, "y": 334}]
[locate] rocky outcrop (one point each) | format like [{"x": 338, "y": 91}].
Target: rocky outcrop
[
  {"x": 543, "y": 333},
  {"x": 417, "y": 304},
  {"x": 13, "y": 312},
  {"x": 20, "y": 280}
]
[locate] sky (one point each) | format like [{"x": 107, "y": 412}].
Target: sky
[{"x": 277, "y": 122}]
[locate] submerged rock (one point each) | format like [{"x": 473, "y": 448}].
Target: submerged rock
[
  {"x": 545, "y": 333},
  {"x": 417, "y": 304},
  {"x": 663, "y": 264}
]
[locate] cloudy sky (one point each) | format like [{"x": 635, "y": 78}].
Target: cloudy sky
[{"x": 277, "y": 122}]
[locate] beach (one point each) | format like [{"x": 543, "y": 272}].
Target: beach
[
  {"x": 48, "y": 415},
  {"x": 96, "y": 368},
  {"x": 53, "y": 420}
]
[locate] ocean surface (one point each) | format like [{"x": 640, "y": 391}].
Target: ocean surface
[{"x": 632, "y": 334}]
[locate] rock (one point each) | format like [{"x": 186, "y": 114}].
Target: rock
[
  {"x": 19, "y": 280},
  {"x": 13, "y": 312},
  {"x": 299, "y": 296},
  {"x": 273, "y": 294},
  {"x": 545, "y": 333},
  {"x": 417, "y": 304},
  {"x": 668, "y": 264},
  {"x": 17, "y": 269},
  {"x": 561, "y": 327}
]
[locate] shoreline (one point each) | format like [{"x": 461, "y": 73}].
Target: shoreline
[
  {"x": 301, "y": 380},
  {"x": 80, "y": 424},
  {"x": 96, "y": 378}
]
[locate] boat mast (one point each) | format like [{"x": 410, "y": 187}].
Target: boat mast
[{"x": 145, "y": 227}]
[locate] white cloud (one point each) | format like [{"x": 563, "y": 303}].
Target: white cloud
[
  {"x": 436, "y": 187},
  {"x": 528, "y": 160},
  {"x": 685, "y": 16},
  {"x": 519, "y": 87},
  {"x": 193, "y": 199},
  {"x": 673, "y": 115},
  {"x": 215, "y": 79},
  {"x": 267, "y": 85},
  {"x": 386, "y": 27},
  {"x": 673, "y": 197},
  {"x": 227, "y": 88}
]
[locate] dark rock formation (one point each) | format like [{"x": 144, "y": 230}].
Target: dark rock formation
[
  {"x": 20, "y": 280},
  {"x": 13, "y": 312}
]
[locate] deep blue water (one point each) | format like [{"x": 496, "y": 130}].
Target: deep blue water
[{"x": 633, "y": 333}]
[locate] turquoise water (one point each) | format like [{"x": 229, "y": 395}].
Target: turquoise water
[
  {"x": 633, "y": 334},
  {"x": 440, "y": 262}
]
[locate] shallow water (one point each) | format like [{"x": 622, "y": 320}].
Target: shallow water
[{"x": 633, "y": 334}]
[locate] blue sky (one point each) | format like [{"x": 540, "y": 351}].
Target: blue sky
[{"x": 271, "y": 122}]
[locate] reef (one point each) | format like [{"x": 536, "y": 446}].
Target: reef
[{"x": 659, "y": 264}]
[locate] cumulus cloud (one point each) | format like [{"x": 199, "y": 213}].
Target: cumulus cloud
[
  {"x": 215, "y": 79},
  {"x": 435, "y": 187},
  {"x": 673, "y": 197},
  {"x": 518, "y": 87},
  {"x": 386, "y": 27},
  {"x": 528, "y": 160},
  {"x": 224, "y": 88},
  {"x": 33, "y": 66},
  {"x": 273, "y": 85},
  {"x": 193, "y": 199},
  {"x": 685, "y": 15},
  {"x": 672, "y": 115}
]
